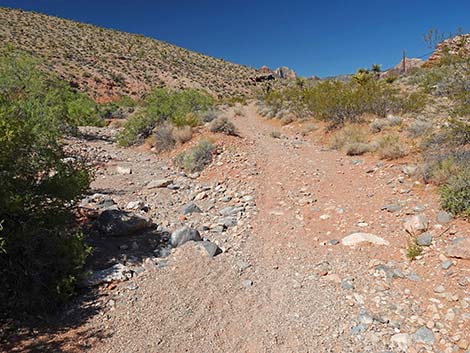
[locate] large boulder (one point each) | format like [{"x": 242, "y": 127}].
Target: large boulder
[
  {"x": 119, "y": 223},
  {"x": 183, "y": 235}
]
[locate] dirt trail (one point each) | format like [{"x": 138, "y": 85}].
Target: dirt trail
[
  {"x": 284, "y": 282},
  {"x": 289, "y": 287}
]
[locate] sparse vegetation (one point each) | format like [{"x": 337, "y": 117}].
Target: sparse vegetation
[
  {"x": 223, "y": 125},
  {"x": 448, "y": 165},
  {"x": 413, "y": 250},
  {"x": 339, "y": 102},
  {"x": 390, "y": 147},
  {"x": 180, "y": 108},
  {"x": 197, "y": 158},
  {"x": 455, "y": 193},
  {"x": 347, "y": 136},
  {"x": 183, "y": 134},
  {"x": 380, "y": 124},
  {"x": 419, "y": 128}
]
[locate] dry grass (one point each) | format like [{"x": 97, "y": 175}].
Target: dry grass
[
  {"x": 391, "y": 147},
  {"x": 348, "y": 135},
  {"x": 182, "y": 134},
  {"x": 223, "y": 125}
]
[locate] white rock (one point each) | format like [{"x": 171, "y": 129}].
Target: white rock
[
  {"x": 402, "y": 341},
  {"x": 357, "y": 238},
  {"x": 162, "y": 183},
  {"x": 123, "y": 170},
  {"x": 115, "y": 273},
  {"x": 417, "y": 224}
]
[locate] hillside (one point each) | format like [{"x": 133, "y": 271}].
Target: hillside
[{"x": 108, "y": 63}]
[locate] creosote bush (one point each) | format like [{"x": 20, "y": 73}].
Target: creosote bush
[
  {"x": 338, "y": 102},
  {"x": 42, "y": 249}
]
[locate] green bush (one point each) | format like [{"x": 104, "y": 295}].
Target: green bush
[
  {"x": 339, "y": 102},
  {"x": 197, "y": 158},
  {"x": 178, "y": 107},
  {"x": 447, "y": 164},
  {"x": 42, "y": 250},
  {"x": 455, "y": 194}
]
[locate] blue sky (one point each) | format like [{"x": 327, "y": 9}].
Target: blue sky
[{"x": 313, "y": 37}]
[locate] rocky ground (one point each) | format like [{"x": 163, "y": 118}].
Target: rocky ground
[{"x": 279, "y": 246}]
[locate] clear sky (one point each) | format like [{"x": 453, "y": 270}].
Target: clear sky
[{"x": 313, "y": 37}]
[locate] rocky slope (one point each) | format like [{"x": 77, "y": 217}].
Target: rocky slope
[{"x": 107, "y": 63}]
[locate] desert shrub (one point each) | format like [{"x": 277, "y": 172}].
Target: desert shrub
[
  {"x": 348, "y": 135},
  {"x": 179, "y": 107},
  {"x": 455, "y": 193},
  {"x": 189, "y": 119},
  {"x": 275, "y": 134},
  {"x": 209, "y": 115},
  {"x": 447, "y": 163},
  {"x": 390, "y": 147},
  {"x": 380, "y": 124},
  {"x": 197, "y": 158},
  {"x": 182, "y": 134},
  {"x": 163, "y": 138},
  {"x": 340, "y": 102},
  {"x": 419, "y": 128},
  {"x": 42, "y": 248},
  {"x": 224, "y": 126},
  {"x": 446, "y": 79},
  {"x": 308, "y": 128},
  {"x": 232, "y": 101},
  {"x": 82, "y": 110},
  {"x": 239, "y": 111},
  {"x": 413, "y": 250},
  {"x": 391, "y": 78},
  {"x": 441, "y": 167},
  {"x": 393, "y": 120},
  {"x": 358, "y": 148},
  {"x": 286, "y": 120}
]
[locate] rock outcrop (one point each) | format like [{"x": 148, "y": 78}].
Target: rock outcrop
[{"x": 456, "y": 46}]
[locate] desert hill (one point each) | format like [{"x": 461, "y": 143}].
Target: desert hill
[{"x": 107, "y": 63}]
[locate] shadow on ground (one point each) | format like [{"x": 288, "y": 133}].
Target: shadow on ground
[{"x": 65, "y": 330}]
